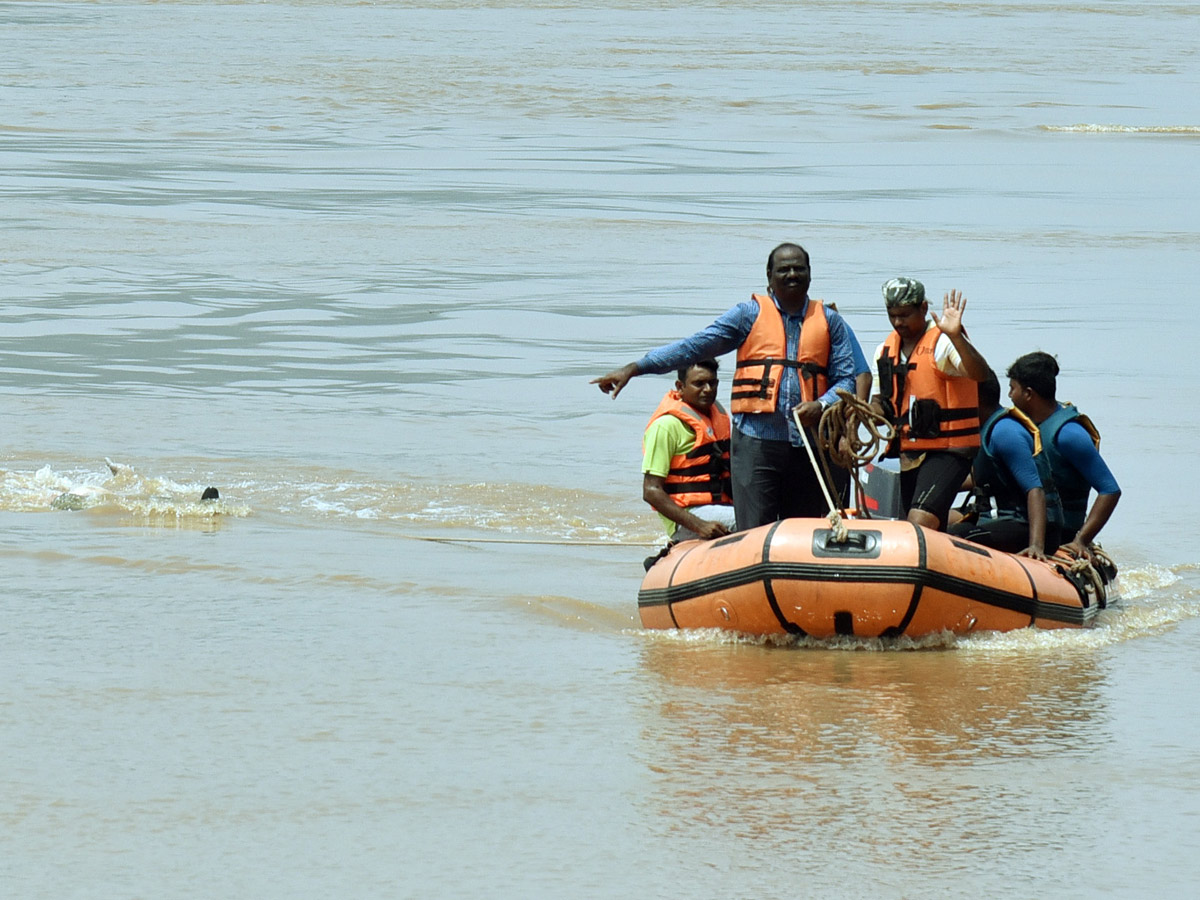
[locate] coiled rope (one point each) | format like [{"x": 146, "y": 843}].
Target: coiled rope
[
  {"x": 843, "y": 426},
  {"x": 851, "y": 434}
]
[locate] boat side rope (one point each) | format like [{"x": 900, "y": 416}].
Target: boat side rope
[
  {"x": 1105, "y": 561},
  {"x": 1087, "y": 574},
  {"x": 1092, "y": 573}
]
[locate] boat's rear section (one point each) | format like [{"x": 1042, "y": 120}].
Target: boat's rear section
[{"x": 888, "y": 578}]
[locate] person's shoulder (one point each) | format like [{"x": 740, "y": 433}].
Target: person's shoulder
[
  {"x": 665, "y": 437},
  {"x": 746, "y": 310},
  {"x": 669, "y": 427},
  {"x": 832, "y": 316},
  {"x": 1073, "y": 436},
  {"x": 1008, "y": 430}
]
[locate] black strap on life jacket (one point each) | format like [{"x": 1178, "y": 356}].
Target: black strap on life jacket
[
  {"x": 892, "y": 379},
  {"x": 951, "y": 415},
  {"x": 760, "y": 387},
  {"x": 926, "y": 416},
  {"x": 713, "y": 465}
]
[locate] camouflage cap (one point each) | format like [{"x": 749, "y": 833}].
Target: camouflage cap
[{"x": 903, "y": 292}]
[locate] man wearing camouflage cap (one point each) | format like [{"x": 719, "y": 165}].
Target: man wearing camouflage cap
[{"x": 928, "y": 377}]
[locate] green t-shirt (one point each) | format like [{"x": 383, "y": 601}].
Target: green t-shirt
[{"x": 666, "y": 437}]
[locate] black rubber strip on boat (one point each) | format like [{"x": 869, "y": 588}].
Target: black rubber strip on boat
[
  {"x": 969, "y": 547},
  {"x": 914, "y": 575},
  {"x": 922, "y": 561},
  {"x": 670, "y": 611},
  {"x": 1033, "y": 589},
  {"x": 789, "y": 627}
]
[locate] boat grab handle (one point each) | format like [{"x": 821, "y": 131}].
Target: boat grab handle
[{"x": 861, "y": 544}]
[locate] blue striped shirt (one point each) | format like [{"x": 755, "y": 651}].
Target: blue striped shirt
[{"x": 727, "y": 334}]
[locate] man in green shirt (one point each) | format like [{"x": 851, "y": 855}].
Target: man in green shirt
[{"x": 685, "y": 458}]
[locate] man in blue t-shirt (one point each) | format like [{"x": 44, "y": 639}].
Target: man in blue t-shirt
[
  {"x": 1021, "y": 512},
  {"x": 1072, "y": 444}
]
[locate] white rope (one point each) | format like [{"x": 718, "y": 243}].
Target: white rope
[{"x": 840, "y": 532}]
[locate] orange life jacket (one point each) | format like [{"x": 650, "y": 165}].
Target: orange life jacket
[
  {"x": 700, "y": 476},
  {"x": 932, "y": 410},
  {"x": 762, "y": 358}
]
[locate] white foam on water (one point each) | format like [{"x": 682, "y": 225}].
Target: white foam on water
[{"x": 1124, "y": 129}]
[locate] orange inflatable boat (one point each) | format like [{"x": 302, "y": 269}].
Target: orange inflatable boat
[{"x": 888, "y": 578}]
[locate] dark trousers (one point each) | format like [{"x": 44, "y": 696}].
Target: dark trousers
[
  {"x": 772, "y": 480},
  {"x": 1005, "y": 533}
]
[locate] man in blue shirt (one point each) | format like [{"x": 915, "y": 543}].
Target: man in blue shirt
[
  {"x": 1072, "y": 443},
  {"x": 792, "y": 355},
  {"x": 1011, "y": 474}
]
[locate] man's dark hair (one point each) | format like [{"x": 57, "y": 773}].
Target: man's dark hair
[
  {"x": 785, "y": 246},
  {"x": 989, "y": 390},
  {"x": 708, "y": 363},
  {"x": 1038, "y": 371}
]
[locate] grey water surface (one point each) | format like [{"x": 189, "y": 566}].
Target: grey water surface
[{"x": 355, "y": 265}]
